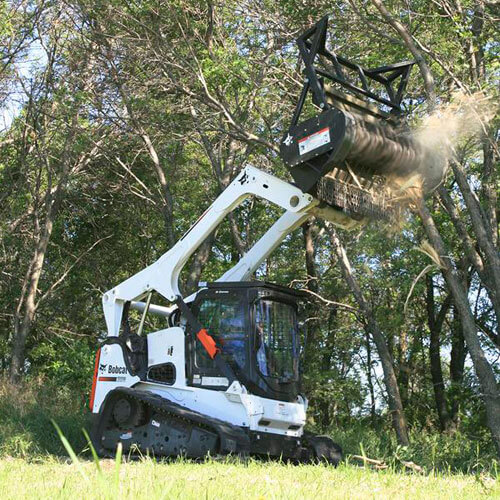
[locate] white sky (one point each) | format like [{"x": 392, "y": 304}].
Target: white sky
[{"x": 36, "y": 58}]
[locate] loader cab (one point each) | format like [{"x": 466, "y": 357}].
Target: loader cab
[{"x": 256, "y": 326}]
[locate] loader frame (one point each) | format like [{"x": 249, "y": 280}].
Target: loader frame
[{"x": 163, "y": 275}]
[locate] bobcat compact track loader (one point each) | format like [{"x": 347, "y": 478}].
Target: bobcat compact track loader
[{"x": 222, "y": 374}]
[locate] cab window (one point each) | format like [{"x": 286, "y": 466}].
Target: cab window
[
  {"x": 276, "y": 340},
  {"x": 224, "y": 318}
]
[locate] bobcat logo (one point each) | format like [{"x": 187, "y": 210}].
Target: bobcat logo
[
  {"x": 243, "y": 178},
  {"x": 170, "y": 351},
  {"x": 102, "y": 367},
  {"x": 288, "y": 140}
]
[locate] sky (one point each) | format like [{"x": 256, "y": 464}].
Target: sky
[{"x": 35, "y": 58}]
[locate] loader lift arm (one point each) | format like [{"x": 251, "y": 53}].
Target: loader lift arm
[{"x": 163, "y": 275}]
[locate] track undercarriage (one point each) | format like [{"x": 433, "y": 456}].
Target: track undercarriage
[{"x": 148, "y": 424}]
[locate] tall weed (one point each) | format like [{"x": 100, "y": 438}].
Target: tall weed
[
  {"x": 434, "y": 451},
  {"x": 26, "y": 411}
]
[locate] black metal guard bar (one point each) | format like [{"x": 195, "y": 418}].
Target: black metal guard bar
[
  {"x": 358, "y": 90},
  {"x": 206, "y": 340},
  {"x": 313, "y": 43}
]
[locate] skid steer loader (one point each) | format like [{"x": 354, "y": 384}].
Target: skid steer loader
[{"x": 222, "y": 374}]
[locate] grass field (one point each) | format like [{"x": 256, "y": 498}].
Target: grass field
[
  {"x": 34, "y": 463},
  {"x": 254, "y": 480}
]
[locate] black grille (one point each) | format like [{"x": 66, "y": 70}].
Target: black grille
[
  {"x": 164, "y": 374},
  {"x": 354, "y": 200}
]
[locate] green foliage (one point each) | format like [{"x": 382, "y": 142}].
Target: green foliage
[
  {"x": 123, "y": 70},
  {"x": 26, "y": 412},
  {"x": 457, "y": 452},
  {"x": 67, "y": 363}
]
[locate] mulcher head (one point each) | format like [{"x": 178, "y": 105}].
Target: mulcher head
[{"x": 355, "y": 155}]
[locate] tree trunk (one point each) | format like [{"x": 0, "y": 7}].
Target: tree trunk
[
  {"x": 312, "y": 284},
  {"x": 369, "y": 377},
  {"x": 473, "y": 256},
  {"x": 371, "y": 326},
  {"x": 168, "y": 202},
  {"x": 435, "y": 323},
  {"x": 457, "y": 362},
  {"x": 415, "y": 52},
  {"x": 52, "y": 198},
  {"x": 480, "y": 226},
  {"x": 200, "y": 260},
  {"x": 403, "y": 366},
  {"x": 167, "y": 198},
  {"x": 23, "y": 329},
  {"x": 484, "y": 372},
  {"x": 489, "y": 188},
  {"x": 310, "y": 254}
]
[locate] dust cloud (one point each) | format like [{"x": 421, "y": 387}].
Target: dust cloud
[{"x": 437, "y": 137}]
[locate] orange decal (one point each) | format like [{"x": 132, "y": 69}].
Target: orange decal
[{"x": 94, "y": 380}]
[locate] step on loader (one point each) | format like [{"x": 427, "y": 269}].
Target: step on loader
[{"x": 219, "y": 373}]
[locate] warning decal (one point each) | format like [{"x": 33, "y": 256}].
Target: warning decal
[{"x": 314, "y": 141}]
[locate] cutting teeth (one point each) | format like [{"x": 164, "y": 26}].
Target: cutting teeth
[{"x": 356, "y": 201}]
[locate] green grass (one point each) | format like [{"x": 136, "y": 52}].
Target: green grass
[
  {"x": 434, "y": 451},
  {"x": 34, "y": 462},
  {"x": 52, "y": 478},
  {"x": 26, "y": 411}
]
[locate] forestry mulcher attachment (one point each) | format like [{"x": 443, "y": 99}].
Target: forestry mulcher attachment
[
  {"x": 357, "y": 155},
  {"x": 220, "y": 372}
]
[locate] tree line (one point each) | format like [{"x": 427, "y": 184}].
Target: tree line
[{"x": 124, "y": 120}]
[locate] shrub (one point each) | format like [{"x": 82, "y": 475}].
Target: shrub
[{"x": 26, "y": 410}]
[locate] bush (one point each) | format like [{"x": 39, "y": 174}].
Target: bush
[
  {"x": 457, "y": 452},
  {"x": 26, "y": 410}
]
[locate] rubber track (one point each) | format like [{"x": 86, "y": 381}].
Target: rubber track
[{"x": 233, "y": 439}]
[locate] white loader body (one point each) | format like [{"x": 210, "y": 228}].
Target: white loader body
[{"x": 234, "y": 405}]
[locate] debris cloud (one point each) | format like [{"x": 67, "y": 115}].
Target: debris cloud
[{"x": 437, "y": 137}]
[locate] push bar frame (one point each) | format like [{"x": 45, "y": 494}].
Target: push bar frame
[{"x": 312, "y": 43}]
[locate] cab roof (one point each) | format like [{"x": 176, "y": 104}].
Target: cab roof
[{"x": 224, "y": 285}]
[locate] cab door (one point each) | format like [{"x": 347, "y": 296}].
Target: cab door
[{"x": 224, "y": 314}]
